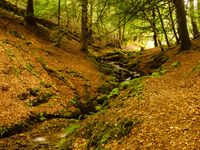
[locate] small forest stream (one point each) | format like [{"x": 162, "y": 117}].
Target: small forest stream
[{"x": 48, "y": 133}]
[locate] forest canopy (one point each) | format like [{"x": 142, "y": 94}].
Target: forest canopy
[{"x": 149, "y": 23}]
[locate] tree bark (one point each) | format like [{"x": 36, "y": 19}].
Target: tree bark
[
  {"x": 29, "y": 18},
  {"x": 172, "y": 23},
  {"x": 58, "y": 12},
  {"x": 84, "y": 25},
  {"x": 154, "y": 28},
  {"x": 195, "y": 29},
  {"x": 182, "y": 25},
  {"x": 163, "y": 27},
  {"x": 198, "y": 10}
]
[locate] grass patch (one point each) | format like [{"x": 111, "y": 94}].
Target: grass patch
[
  {"x": 100, "y": 133},
  {"x": 133, "y": 88},
  {"x": 176, "y": 64},
  {"x": 97, "y": 134},
  {"x": 31, "y": 69},
  {"x": 197, "y": 67},
  {"x": 34, "y": 96},
  {"x": 159, "y": 72}
]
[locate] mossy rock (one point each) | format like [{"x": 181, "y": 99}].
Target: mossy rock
[
  {"x": 41, "y": 98},
  {"x": 33, "y": 91},
  {"x": 23, "y": 96}
]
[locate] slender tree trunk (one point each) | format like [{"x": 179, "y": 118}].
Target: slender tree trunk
[
  {"x": 163, "y": 27},
  {"x": 119, "y": 33},
  {"x": 119, "y": 37},
  {"x": 124, "y": 29},
  {"x": 172, "y": 23},
  {"x": 195, "y": 29},
  {"x": 182, "y": 25},
  {"x": 152, "y": 23},
  {"x": 84, "y": 25},
  {"x": 154, "y": 28},
  {"x": 90, "y": 31},
  {"x": 58, "y": 12},
  {"x": 30, "y": 19}
]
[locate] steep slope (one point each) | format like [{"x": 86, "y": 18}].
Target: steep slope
[
  {"x": 37, "y": 78},
  {"x": 169, "y": 108},
  {"x": 40, "y": 81},
  {"x": 160, "y": 111}
]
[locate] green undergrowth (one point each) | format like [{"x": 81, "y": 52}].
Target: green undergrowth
[
  {"x": 36, "y": 96},
  {"x": 27, "y": 124},
  {"x": 6, "y": 131},
  {"x": 97, "y": 133},
  {"x": 197, "y": 67},
  {"x": 176, "y": 64},
  {"x": 159, "y": 72},
  {"x": 130, "y": 88}
]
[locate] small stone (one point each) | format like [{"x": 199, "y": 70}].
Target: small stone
[{"x": 40, "y": 139}]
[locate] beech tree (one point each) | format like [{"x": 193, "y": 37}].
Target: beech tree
[
  {"x": 30, "y": 19},
  {"x": 84, "y": 25},
  {"x": 182, "y": 25},
  {"x": 195, "y": 29}
]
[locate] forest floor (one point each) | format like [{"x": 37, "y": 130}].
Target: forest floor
[{"x": 159, "y": 111}]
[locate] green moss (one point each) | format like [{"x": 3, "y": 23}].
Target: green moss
[
  {"x": 6, "y": 131},
  {"x": 197, "y": 67},
  {"x": 31, "y": 69},
  {"x": 45, "y": 84},
  {"x": 159, "y": 72},
  {"x": 105, "y": 88},
  {"x": 17, "y": 34},
  {"x": 3, "y": 130},
  {"x": 176, "y": 64},
  {"x": 134, "y": 88},
  {"x": 99, "y": 133},
  {"x": 41, "y": 98},
  {"x": 71, "y": 129}
]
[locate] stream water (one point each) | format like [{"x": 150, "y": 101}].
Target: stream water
[{"x": 42, "y": 136}]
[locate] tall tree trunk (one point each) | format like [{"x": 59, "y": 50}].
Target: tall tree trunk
[
  {"x": 30, "y": 19},
  {"x": 198, "y": 9},
  {"x": 195, "y": 29},
  {"x": 90, "y": 31},
  {"x": 58, "y": 12},
  {"x": 163, "y": 27},
  {"x": 153, "y": 25},
  {"x": 124, "y": 29},
  {"x": 182, "y": 25},
  {"x": 172, "y": 23},
  {"x": 119, "y": 39},
  {"x": 84, "y": 25},
  {"x": 154, "y": 28}
]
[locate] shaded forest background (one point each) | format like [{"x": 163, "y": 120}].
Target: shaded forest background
[{"x": 146, "y": 23}]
